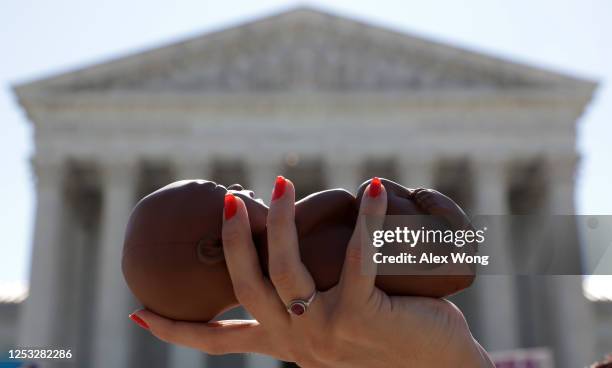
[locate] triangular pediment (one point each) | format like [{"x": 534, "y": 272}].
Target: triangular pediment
[{"x": 303, "y": 50}]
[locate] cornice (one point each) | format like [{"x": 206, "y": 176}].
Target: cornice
[{"x": 42, "y": 107}]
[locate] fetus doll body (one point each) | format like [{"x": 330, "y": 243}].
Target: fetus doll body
[{"x": 173, "y": 254}]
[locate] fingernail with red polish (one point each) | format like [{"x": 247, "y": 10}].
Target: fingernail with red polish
[
  {"x": 230, "y": 206},
  {"x": 375, "y": 187},
  {"x": 279, "y": 187},
  {"x": 139, "y": 321}
]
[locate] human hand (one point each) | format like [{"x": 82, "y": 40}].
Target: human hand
[{"x": 353, "y": 324}]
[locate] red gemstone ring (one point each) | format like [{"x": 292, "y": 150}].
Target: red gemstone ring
[{"x": 298, "y": 307}]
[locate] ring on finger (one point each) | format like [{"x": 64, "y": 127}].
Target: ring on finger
[{"x": 298, "y": 307}]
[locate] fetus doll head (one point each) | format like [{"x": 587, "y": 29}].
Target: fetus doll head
[{"x": 173, "y": 256}]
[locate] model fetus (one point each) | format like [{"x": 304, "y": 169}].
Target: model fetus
[{"x": 173, "y": 254}]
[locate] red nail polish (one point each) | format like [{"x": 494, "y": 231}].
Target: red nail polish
[
  {"x": 375, "y": 187},
  {"x": 279, "y": 187},
  {"x": 230, "y": 206},
  {"x": 139, "y": 321}
]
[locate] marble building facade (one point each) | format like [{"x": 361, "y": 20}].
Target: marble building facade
[{"x": 324, "y": 100}]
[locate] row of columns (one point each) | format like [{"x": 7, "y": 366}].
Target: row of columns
[{"x": 111, "y": 344}]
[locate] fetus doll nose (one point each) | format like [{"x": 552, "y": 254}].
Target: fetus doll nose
[
  {"x": 236, "y": 187},
  {"x": 239, "y": 188}
]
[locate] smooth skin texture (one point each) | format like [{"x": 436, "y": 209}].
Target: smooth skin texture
[{"x": 354, "y": 324}]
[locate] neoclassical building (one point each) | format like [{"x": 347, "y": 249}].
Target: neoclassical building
[{"x": 324, "y": 100}]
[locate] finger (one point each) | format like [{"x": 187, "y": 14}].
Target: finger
[
  {"x": 359, "y": 270},
  {"x": 252, "y": 290},
  {"x": 223, "y": 337},
  {"x": 287, "y": 272}
]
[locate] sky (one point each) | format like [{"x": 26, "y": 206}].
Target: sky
[{"x": 41, "y": 38}]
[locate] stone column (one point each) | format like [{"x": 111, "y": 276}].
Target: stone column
[
  {"x": 343, "y": 172},
  {"x": 417, "y": 172},
  {"x": 496, "y": 294},
  {"x": 179, "y": 356},
  {"x": 562, "y": 176},
  {"x": 39, "y": 312},
  {"x": 571, "y": 315},
  {"x": 262, "y": 173},
  {"x": 111, "y": 340},
  {"x": 186, "y": 358},
  {"x": 188, "y": 168},
  {"x": 261, "y": 361}
]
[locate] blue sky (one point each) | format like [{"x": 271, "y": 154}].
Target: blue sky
[{"x": 39, "y": 38}]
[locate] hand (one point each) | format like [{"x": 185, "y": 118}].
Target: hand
[{"x": 354, "y": 324}]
